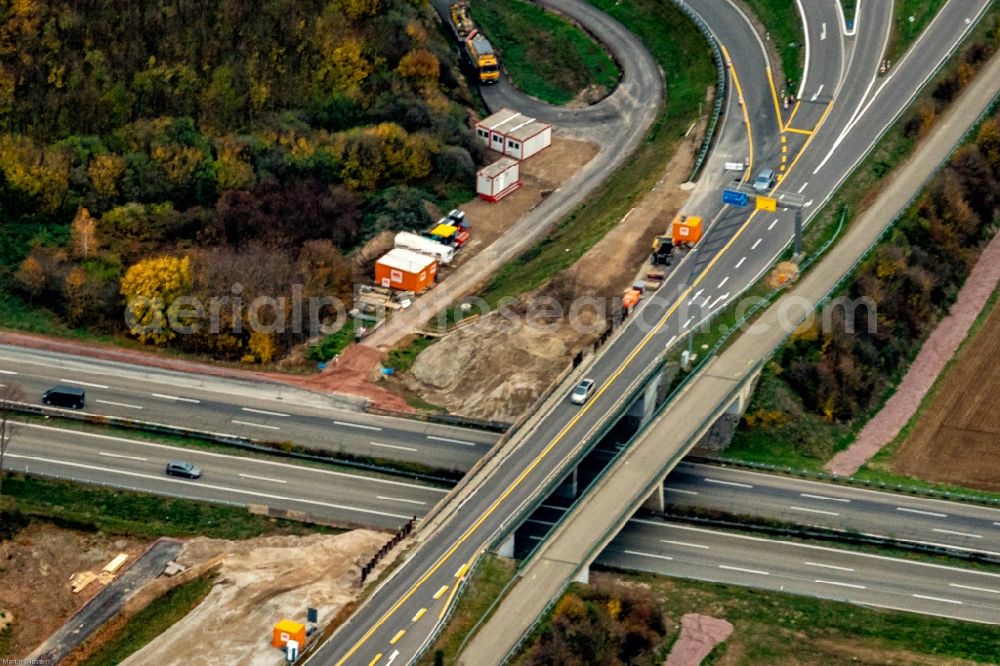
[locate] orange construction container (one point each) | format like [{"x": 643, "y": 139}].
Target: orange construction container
[
  {"x": 686, "y": 230},
  {"x": 288, "y": 630},
  {"x": 630, "y": 298},
  {"x": 405, "y": 270}
]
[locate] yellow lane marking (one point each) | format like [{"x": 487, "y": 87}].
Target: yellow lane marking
[
  {"x": 798, "y": 131},
  {"x": 743, "y": 106},
  {"x": 774, "y": 98},
  {"x": 447, "y": 603},
  {"x": 461, "y": 570},
  {"x": 399, "y": 634},
  {"x": 375, "y": 659},
  {"x": 419, "y": 614},
  {"x": 822, "y": 119},
  {"x": 795, "y": 110},
  {"x": 441, "y": 591},
  {"x": 583, "y": 410}
]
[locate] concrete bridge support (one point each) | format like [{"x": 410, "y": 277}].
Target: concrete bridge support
[
  {"x": 569, "y": 488},
  {"x": 645, "y": 405}
]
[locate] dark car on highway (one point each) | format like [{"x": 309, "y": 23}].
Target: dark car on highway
[
  {"x": 65, "y": 396},
  {"x": 183, "y": 468}
]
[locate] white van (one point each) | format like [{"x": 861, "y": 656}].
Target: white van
[{"x": 410, "y": 241}]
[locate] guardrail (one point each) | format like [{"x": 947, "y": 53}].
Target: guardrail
[
  {"x": 720, "y": 87},
  {"x": 235, "y": 441}
]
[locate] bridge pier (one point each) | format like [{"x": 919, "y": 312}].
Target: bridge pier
[
  {"x": 506, "y": 548},
  {"x": 645, "y": 405},
  {"x": 656, "y": 502},
  {"x": 583, "y": 575},
  {"x": 569, "y": 488}
]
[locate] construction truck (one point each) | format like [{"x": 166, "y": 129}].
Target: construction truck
[
  {"x": 684, "y": 232},
  {"x": 477, "y": 50}
]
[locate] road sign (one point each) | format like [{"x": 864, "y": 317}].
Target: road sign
[
  {"x": 767, "y": 203},
  {"x": 734, "y": 198}
]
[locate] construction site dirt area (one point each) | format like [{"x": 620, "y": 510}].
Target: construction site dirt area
[
  {"x": 259, "y": 582},
  {"x": 35, "y": 586},
  {"x": 498, "y": 371},
  {"x": 540, "y": 175},
  {"x": 956, "y": 438}
]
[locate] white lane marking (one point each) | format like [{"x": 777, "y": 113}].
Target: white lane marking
[
  {"x": 816, "y": 94},
  {"x": 119, "y": 404},
  {"x": 824, "y": 497},
  {"x": 964, "y": 534},
  {"x": 255, "y": 425},
  {"x": 357, "y": 425},
  {"x": 820, "y": 511},
  {"x": 922, "y": 513},
  {"x": 262, "y": 411},
  {"x": 118, "y": 455},
  {"x": 974, "y": 589},
  {"x": 756, "y": 243},
  {"x": 828, "y": 566},
  {"x": 73, "y": 381},
  {"x": 803, "y": 186},
  {"x": 270, "y": 464},
  {"x": 996, "y": 524},
  {"x": 670, "y": 341},
  {"x": 392, "y": 657},
  {"x": 723, "y": 283},
  {"x": 262, "y": 478},
  {"x": 452, "y": 441},
  {"x": 401, "y": 499},
  {"x": 822, "y": 32},
  {"x": 7, "y": 372},
  {"x": 642, "y": 554},
  {"x": 682, "y": 491},
  {"x": 199, "y": 485},
  {"x": 740, "y": 262},
  {"x": 728, "y": 483},
  {"x": 175, "y": 398},
  {"x": 839, "y": 584},
  {"x": 753, "y": 571},
  {"x": 808, "y": 203},
  {"x": 707, "y": 299},
  {"x": 773, "y": 222},
  {"x": 393, "y": 446},
  {"x": 944, "y": 601},
  {"x": 688, "y": 322},
  {"x": 825, "y": 549},
  {"x": 716, "y": 302},
  {"x": 685, "y": 543}
]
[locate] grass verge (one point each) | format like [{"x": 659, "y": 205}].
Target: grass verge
[
  {"x": 136, "y": 632},
  {"x": 784, "y": 27},
  {"x": 909, "y": 20},
  {"x": 778, "y": 628},
  {"x": 686, "y": 58},
  {"x": 546, "y": 55},
  {"x": 488, "y": 580},
  {"x": 141, "y": 515}
]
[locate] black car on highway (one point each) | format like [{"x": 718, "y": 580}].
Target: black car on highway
[{"x": 65, "y": 396}]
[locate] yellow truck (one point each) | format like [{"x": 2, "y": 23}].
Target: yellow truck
[{"x": 477, "y": 50}]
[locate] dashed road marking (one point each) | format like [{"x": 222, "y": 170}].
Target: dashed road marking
[
  {"x": 824, "y": 497},
  {"x": 262, "y": 411},
  {"x": 400, "y": 499},
  {"x": 393, "y": 446},
  {"x": 450, "y": 440},
  {"x": 839, "y": 584},
  {"x": 118, "y": 455},
  {"x": 819, "y": 511},
  {"x": 921, "y": 512},
  {"x": 119, "y": 404},
  {"x": 751, "y": 571},
  {"x": 942, "y": 600},
  {"x": 642, "y": 554},
  {"x": 756, "y": 243},
  {"x": 175, "y": 398},
  {"x": 740, "y": 262},
  {"x": 828, "y": 566},
  {"x": 357, "y": 425},
  {"x": 974, "y": 589},
  {"x": 256, "y": 425},
  {"x": 78, "y": 383},
  {"x": 728, "y": 483},
  {"x": 963, "y": 534},
  {"x": 685, "y": 543},
  {"x": 263, "y": 478}
]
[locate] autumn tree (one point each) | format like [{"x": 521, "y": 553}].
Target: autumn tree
[
  {"x": 151, "y": 289},
  {"x": 83, "y": 234},
  {"x": 10, "y": 394}
]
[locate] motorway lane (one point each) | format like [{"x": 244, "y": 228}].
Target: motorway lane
[
  {"x": 264, "y": 411},
  {"x": 230, "y": 479},
  {"x": 461, "y": 538},
  {"x": 789, "y": 499},
  {"x": 841, "y": 575}
]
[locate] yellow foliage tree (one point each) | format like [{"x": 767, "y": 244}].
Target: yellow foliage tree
[
  {"x": 35, "y": 171},
  {"x": 76, "y": 294},
  {"x": 178, "y": 161},
  {"x": 355, "y": 9},
  {"x": 344, "y": 66},
  {"x": 105, "y": 171},
  {"x": 31, "y": 277},
  {"x": 262, "y": 347},
  {"x": 420, "y": 64},
  {"x": 151, "y": 289},
  {"x": 232, "y": 170},
  {"x": 83, "y": 233}
]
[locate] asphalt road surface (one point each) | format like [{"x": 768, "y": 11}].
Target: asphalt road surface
[
  {"x": 818, "y": 571},
  {"x": 382, "y": 627},
  {"x": 264, "y": 411}
]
